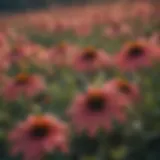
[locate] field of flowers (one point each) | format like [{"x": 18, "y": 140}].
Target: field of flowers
[{"x": 81, "y": 83}]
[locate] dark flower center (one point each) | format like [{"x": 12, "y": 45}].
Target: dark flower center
[
  {"x": 135, "y": 52},
  {"x": 124, "y": 87},
  {"x": 39, "y": 131},
  {"x": 89, "y": 55},
  {"x": 15, "y": 52},
  {"x": 22, "y": 79},
  {"x": 96, "y": 103},
  {"x": 62, "y": 47}
]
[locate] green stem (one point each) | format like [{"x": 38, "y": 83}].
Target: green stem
[{"x": 104, "y": 152}]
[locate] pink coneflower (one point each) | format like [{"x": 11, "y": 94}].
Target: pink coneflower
[
  {"x": 142, "y": 10},
  {"x": 37, "y": 135},
  {"x": 37, "y": 56},
  {"x": 23, "y": 83},
  {"x": 96, "y": 109},
  {"x": 117, "y": 30},
  {"x": 18, "y": 53},
  {"x": 90, "y": 59},
  {"x": 83, "y": 29},
  {"x": 58, "y": 54},
  {"x": 40, "y": 58},
  {"x": 129, "y": 91},
  {"x": 134, "y": 56},
  {"x": 59, "y": 26},
  {"x": 155, "y": 39},
  {"x": 153, "y": 42}
]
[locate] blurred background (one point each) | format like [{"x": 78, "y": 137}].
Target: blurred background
[
  {"x": 42, "y": 25},
  {"x": 25, "y": 5},
  {"x": 19, "y": 5}
]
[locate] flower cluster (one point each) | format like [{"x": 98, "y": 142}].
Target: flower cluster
[{"x": 65, "y": 89}]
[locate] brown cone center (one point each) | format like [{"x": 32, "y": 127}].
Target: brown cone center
[
  {"x": 135, "y": 52},
  {"x": 40, "y": 129},
  {"x": 22, "y": 79},
  {"x": 96, "y": 102},
  {"x": 89, "y": 55},
  {"x": 124, "y": 87}
]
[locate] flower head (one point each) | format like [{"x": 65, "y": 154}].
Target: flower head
[
  {"x": 134, "y": 56},
  {"x": 128, "y": 91},
  {"x": 59, "y": 55},
  {"x": 89, "y": 59},
  {"x": 23, "y": 83},
  {"x": 116, "y": 30},
  {"x": 89, "y": 54},
  {"x": 94, "y": 109},
  {"x": 22, "y": 79},
  {"x": 37, "y": 135}
]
